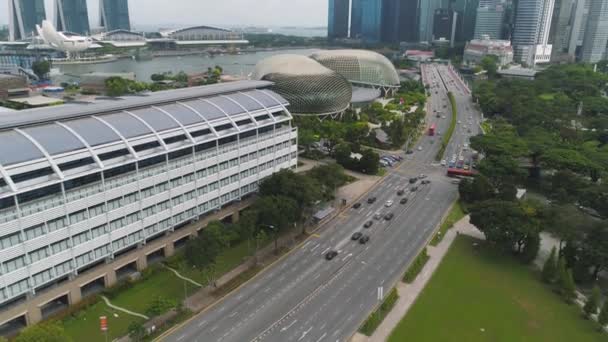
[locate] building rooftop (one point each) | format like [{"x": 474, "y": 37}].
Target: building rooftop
[{"x": 521, "y": 72}]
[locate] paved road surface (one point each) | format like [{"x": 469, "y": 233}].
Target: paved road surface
[{"x": 307, "y": 298}]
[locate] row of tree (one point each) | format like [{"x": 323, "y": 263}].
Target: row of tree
[{"x": 285, "y": 200}]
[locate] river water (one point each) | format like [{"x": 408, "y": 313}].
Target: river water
[{"x": 240, "y": 65}]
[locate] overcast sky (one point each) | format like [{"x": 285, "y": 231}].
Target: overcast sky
[{"x": 212, "y": 12}]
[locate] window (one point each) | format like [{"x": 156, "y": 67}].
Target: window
[
  {"x": 162, "y": 206},
  {"x": 160, "y": 187},
  {"x": 149, "y": 211},
  {"x": 38, "y": 254},
  {"x": 173, "y": 140},
  {"x": 243, "y": 122},
  {"x": 213, "y": 169},
  {"x": 76, "y": 163},
  {"x": 83, "y": 259},
  {"x": 146, "y": 146},
  {"x": 178, "y": 199},
  {"x": 81, "y": 238},
  {"x": 203, "y": 190},
  {"x": 131, "y": 198},
  {"x": 60, "y": 246},
  {"x": 200, "y": 133},
  {"x": 63, "y": 268},
  {"x": 42, "y": 277},
  {"x": 152, "y": 161},
  {"x": 78, "y": 216},
  {"x": 39, "y": 193},
  {"x": 97, "y": 210},
  {"x": 34, "y": 232},
  {"x": 225, "y": 181},
  {"x": 57, "y": 224},
  {"x": 234, "y": 178},
  {"x": 18, "y": 288},
  {"x": 223, "y": 128},
  {"x": 189, "y": 178},
  {"x": 147, "y": 192},
  {"x": 190, "y": 195},
  {"x": 10, "y": 240},
  {"x": 99, "y": 231},
  {"x": 101, "y": 252},
  {"x": 224, "y": 166},
  {"x": 175, "y": 182},
  {"x": 113, "y": 154},
  {"x": 116, "y": 224},
  {"x": 14, "y": 264},
  {"x": 214, "y": 186},
  {"x": 234, "y": 162},
  {"x": 22, "y": 177},
  {"x": 114, "y": 204},
  {"x": 201, "y": 173}
]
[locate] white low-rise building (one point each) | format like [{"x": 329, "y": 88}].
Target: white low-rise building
[{"x": 477, "y": 49}]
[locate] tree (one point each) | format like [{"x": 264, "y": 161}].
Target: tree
[
  {"x": 137, "y": 331},
  {"x": 489, "y": 64},
  {"x": 369, "y": 162},
  {"x": 549, "y": 272},
  {"x": 603, "y": 317},
  {"x": 116, "y": 86},
  {"x": 43, "y": 332},
  {"x": 41, "y": 68},
  {"x": 342, "y": 154},
  {"x": 202, "y": 251},
  {"x": 477, "y": 190},
  {"x": 592, "y": 304},
  {"x": 566, "y": 282},
  {"x": 531, "y": 248}
]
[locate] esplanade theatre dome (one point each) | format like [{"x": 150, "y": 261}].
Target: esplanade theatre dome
[
  {"x": 310, "y": 88},
  {"x": 360, "y": 67}
]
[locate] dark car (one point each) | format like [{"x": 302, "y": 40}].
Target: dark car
[
  {"x": 357, "y": 205},
  {"x": 426, "y": 181},
  {"x": 364, "y": 239},
  {"x": 330, "y": 255},
  {"x": 368, "y": 224},
  {"x": 403, "y": 200},
  {"x": 371, "y": 200},
  {"x": 414, "y": 189},
  {"x": 409, "y": 152},
  {"x": 389, "y": 216},
  {"x": 400, "y": 192},
  {"x": 413, "y": 180},
  {"x": 356, "y": 236}
]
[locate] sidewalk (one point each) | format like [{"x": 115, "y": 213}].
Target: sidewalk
[{"x": 409, "y": 292}]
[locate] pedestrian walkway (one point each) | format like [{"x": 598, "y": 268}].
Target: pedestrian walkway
[
  {"x": 191, "y": 281},
  {"x": 118, "y": 308},
  {"x": 409, "y": 292}
]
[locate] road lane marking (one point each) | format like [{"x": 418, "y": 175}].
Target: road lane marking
[
  {"x": 181, "y": 337},
  {"x": 315, "y": 247},
  {"x": 233, "y": 314},
  {"x": 202, "y": 323},
  {"x": 213, "y": 328},
  {"x": 325, "y": 251},
  {"x": 322, "y": 336},
  {"x": 289, "y": 326}
]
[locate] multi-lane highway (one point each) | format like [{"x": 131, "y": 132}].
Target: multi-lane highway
[{"x": 305, "y": 297}]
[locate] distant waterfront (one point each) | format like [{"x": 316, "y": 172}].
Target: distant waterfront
[{"x": 240, "y": 65}]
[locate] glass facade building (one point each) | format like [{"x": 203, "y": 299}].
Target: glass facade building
[
  {"x": 115, "y": 15},
  {"x": 366, "y": 20},
  {"x": 400, "y": 21},
  {"x": 72, "y": 16},
  {"x": 489, "y": 20},
  {"x": 83, "y": 184},
  {"x": 427, "y": 13},
  {"x": 596, "y": 33},
  {"x": 337, "y": 26},
  {"x": 24, "y": 15}
]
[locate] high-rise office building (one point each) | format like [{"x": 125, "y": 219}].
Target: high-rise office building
[
  {"x": 400, "y": 21},
  {"x": 72, "y": 16},
  {"x": 467, "y": 11},
  {"x": 426, "y": 14},
  {"x": 337, "y": 26},
  {"x": 366, "y": 20},
  {"x": 445, "y": 24},
  {"x": 531, "y": 34},
  {"x": 24, "y": 15},
  {"x": 563, "y": 29},
  {"x": 489, "y": 20},
  {"x": 115, "y": 15},
  {"x": 596, "y": 33}
]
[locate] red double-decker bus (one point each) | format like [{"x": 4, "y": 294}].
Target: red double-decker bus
[
  {"x": 432, "y": 129},
  {"x": 461, "y": 173}
]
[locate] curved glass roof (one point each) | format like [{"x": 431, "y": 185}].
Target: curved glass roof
[
  {"x": 360, "y": 66},
  {"x": 138, "y": 117}
]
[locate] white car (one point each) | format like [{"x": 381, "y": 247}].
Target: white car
[
  {"x": 419, "y": 148},
  {"x": 388, "y": 203},
  {"x": 443, "y": 162}
]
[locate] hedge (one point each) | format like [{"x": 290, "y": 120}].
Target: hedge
[
  {"x": 446, "y": 137},
  {"x": 416, "y": 267},
  {"x": 373, "y": 321}
]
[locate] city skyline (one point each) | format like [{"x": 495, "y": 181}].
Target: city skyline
[{"x": 188, "y": 12}]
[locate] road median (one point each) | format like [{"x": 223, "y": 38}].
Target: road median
[{"x": 448, "y": 135}]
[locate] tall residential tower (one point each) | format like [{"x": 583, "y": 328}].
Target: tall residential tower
[
  {"x": 24, "y": 15},
  {"x": 72, "y": 16},
  {"x": 115, "y": 15}
]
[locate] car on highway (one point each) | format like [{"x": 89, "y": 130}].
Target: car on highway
[
  {"x": 357, "y": 205},
  {"x": 444, "y": 162},
  {"x": 356, "y": 236},
  {"x": 399, "y": 158},
  {"x": 414, "y": 188},
  {"x": 400, "y": 192},
  {"x": 383, "y": 163},
  {"x": 388, "y": 203},
  {"x": 413, "y": 180},
  {"x": 389, "y": 216},
  {"x": 451, "y": 164},
  {"x": 371, "y": 200},
  {"x": 409, "y": 152},
  {"x": 422, "y": 176},
  {"x": 377, "y": 216},
  {"x": 330, "y": 255},
  {"x": 419, "y": 148},
  {"x": 426, "y": 181},
  {"x": 443, "y": 117},
  {"x": 368, "y": 224},
  {"x": 403, "y": 200},
  {"x": 364, "y": 239}
]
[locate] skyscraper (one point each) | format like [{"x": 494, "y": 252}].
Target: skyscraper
[
  {"x": 489, "y": 19},
  {"x": 427, "y": 12},
  {"x": 445, "y": 22},
  {"x": 24, "y": 15},
  {"x": 531, "y": 34},
  {"x": 115, "y": 15},
  {"x": 366, "y": 20},
  {"x": 72, "y": 16},
  {"x": 596, "y": 33},
  {"x": 337, "y": 26},
  {"x": 563, "y": 29},
  {"x": 467, "y": 11},
  {"x": 400, "y": 21}
]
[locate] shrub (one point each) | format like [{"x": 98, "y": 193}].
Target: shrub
[
  {"x": 416, "y": 267},
  {"x": 160, "y": 305},
  {"x": 373, "y": 321}
]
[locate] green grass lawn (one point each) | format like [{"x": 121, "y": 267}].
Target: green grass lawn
[
  {"x": 547, "y": 96},
  {"x": 455, "y": 214},
  {"x": 480, "y": 289},
  {"x": 84, "y": 325},
  {"x": 162, "y": 283}
]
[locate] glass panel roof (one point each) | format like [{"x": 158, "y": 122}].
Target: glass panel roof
[
  {"x": 127, "y": 125},
  {"x": 209, "y": 111},
  {"x": 264, "y": 98},
  {"x": 246, "y": 102},
  {"x": 54, "y": 138},
  {"x": 182, "y": 114},
  {"x": 94, "y": 132},
  {"x": 155, "y": 118},
  {"x": 15, "y": 148},
  {"x": 227, "y": 106}
]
